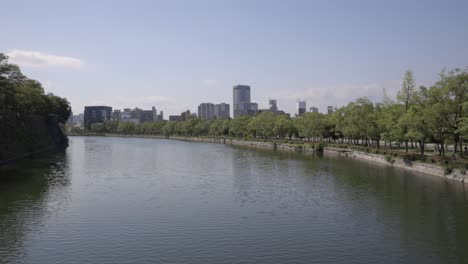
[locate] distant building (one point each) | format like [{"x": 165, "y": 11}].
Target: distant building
[
  {"x": 147, "y": 115},
  {"x": 273, "y": 105},
  {"x": 253, "y": 109},
  {"x": 96, "y": 114},
  {"x": 194, "y": 115},
  {"x": 76, "y": 120},
  {"x": 206, "y": 111},
  {"x": 222, "y": 111},
  {"x": 330, "y": 109},
  {"x": 301, "y": 107},
  {"x": 117, "y": 115},
  {"x": 136, "y": 113},
  {"x": 185, "y": 115},
  {"x": 241, "y": 100},
  {"x": 175, "y": 118},
  {"x": 313, "y": 109},
  {"x": 160, "y": 117},
  {"x": 126, "y": 115}
]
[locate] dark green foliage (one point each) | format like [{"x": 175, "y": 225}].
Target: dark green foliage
[{"x": 25, "y": 96}]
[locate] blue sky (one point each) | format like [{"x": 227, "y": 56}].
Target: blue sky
[{"x": 177, "y": 54}]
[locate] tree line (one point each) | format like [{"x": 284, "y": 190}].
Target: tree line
[
  {"x": 24, "y": 96},
  {"x": 417, "y": 116}
]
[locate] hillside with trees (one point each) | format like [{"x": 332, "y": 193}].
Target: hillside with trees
[{"x": 30, "y": 119}]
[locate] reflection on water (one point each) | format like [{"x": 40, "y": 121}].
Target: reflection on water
[
  {"x": 124, "y": 200},
  {"x": 29, "y": 191}
]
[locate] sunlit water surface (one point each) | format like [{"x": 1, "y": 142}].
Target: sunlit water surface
[{"x": 130, "y": 200}]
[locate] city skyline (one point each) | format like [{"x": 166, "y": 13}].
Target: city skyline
[{"x": 174, "y": 56}]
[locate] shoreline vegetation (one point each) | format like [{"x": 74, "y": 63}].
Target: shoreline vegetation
[
  {"x": 31, "y": 121},
  {"x": 396, "y": 159}
]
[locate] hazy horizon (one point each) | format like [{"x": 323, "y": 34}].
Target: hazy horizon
[{"x": 175, "y": 55}]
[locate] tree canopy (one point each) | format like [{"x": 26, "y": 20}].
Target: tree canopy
[{"x": 26, "y": 96}]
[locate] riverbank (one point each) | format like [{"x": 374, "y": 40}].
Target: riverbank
[{"x": 417, "y": 166}]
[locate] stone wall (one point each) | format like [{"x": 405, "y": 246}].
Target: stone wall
[
  {"x": 26, "y": 136},
  {"x": 427, "y": 168}
]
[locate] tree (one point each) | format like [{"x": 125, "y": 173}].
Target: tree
[
  {"x": 238, "y": 126},
  {"x": 168, "y": 128},
  {"x": 283, "y": 127},
  {"x": 126, "y": 128},
  {"x": 26, "y": 96},
  {"x": 262, "y": 124},
  {"x": 407, "y": 96},
  {"x": 313, "y": 125}
]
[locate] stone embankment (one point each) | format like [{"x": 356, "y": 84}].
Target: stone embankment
[
  {"x": 27, "y": 136},
  {"x": 427, "y": 168}
]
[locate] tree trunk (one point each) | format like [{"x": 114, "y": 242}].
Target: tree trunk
[
  {"x": 421, "y": 144},
  {"x": 456, "y": 138},
  {"x": 406, "y": 145}
]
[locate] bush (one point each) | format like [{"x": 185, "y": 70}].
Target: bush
[
  {"x": 463, "y": 170},
  {"x": 448, "y": 168},
  {"x": 320, "y": 146},
  {"x": 389, "y": 159}
]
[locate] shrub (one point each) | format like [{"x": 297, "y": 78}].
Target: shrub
[
  {"x": 389, "y": 159},
  {"x": 463, "y": 170},
  {"x": 448, "y": 168},
  {"x": 320, "y": 146}
]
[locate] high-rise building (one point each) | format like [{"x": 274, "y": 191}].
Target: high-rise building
[
  {"x": 301, "y": 107},
  {"x": 313, "y": 109},
  {"x": 206, "y": 111},
  {"x": 96, "y": 114},
  {"x": 330, "y": 109},
  {"x": 273, "y": 105},
  {"x": 241, "y": 100},
  {"x": 222, "y": 111}
]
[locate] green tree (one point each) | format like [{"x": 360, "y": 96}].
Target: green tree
[
  {"x": 126, "y": 128},
  {"x": 283, "y": 127},
  {"x": 238, "y": 126},
  {"x": 407, "y": 95}
]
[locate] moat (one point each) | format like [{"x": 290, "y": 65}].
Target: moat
[{"x": 137, "y": 200}]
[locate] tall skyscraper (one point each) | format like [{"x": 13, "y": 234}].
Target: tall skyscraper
[
  {"x": 301, "y": 107},
  {"x": 330, "y": 109},
  {"x": 222, "y": 111},
  {"x": 206, "y": 111},
  {"x": 241, "y": 100}
]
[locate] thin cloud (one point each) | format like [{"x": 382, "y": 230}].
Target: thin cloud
[
  {"x": 39, "y": 59},
  {"x": 210, "y": 82}
]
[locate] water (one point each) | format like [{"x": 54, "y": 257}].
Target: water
[{"x": 128, "y": 200}]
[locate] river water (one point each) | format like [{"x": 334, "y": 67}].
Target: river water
[{"x": 131, "y": 200}]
